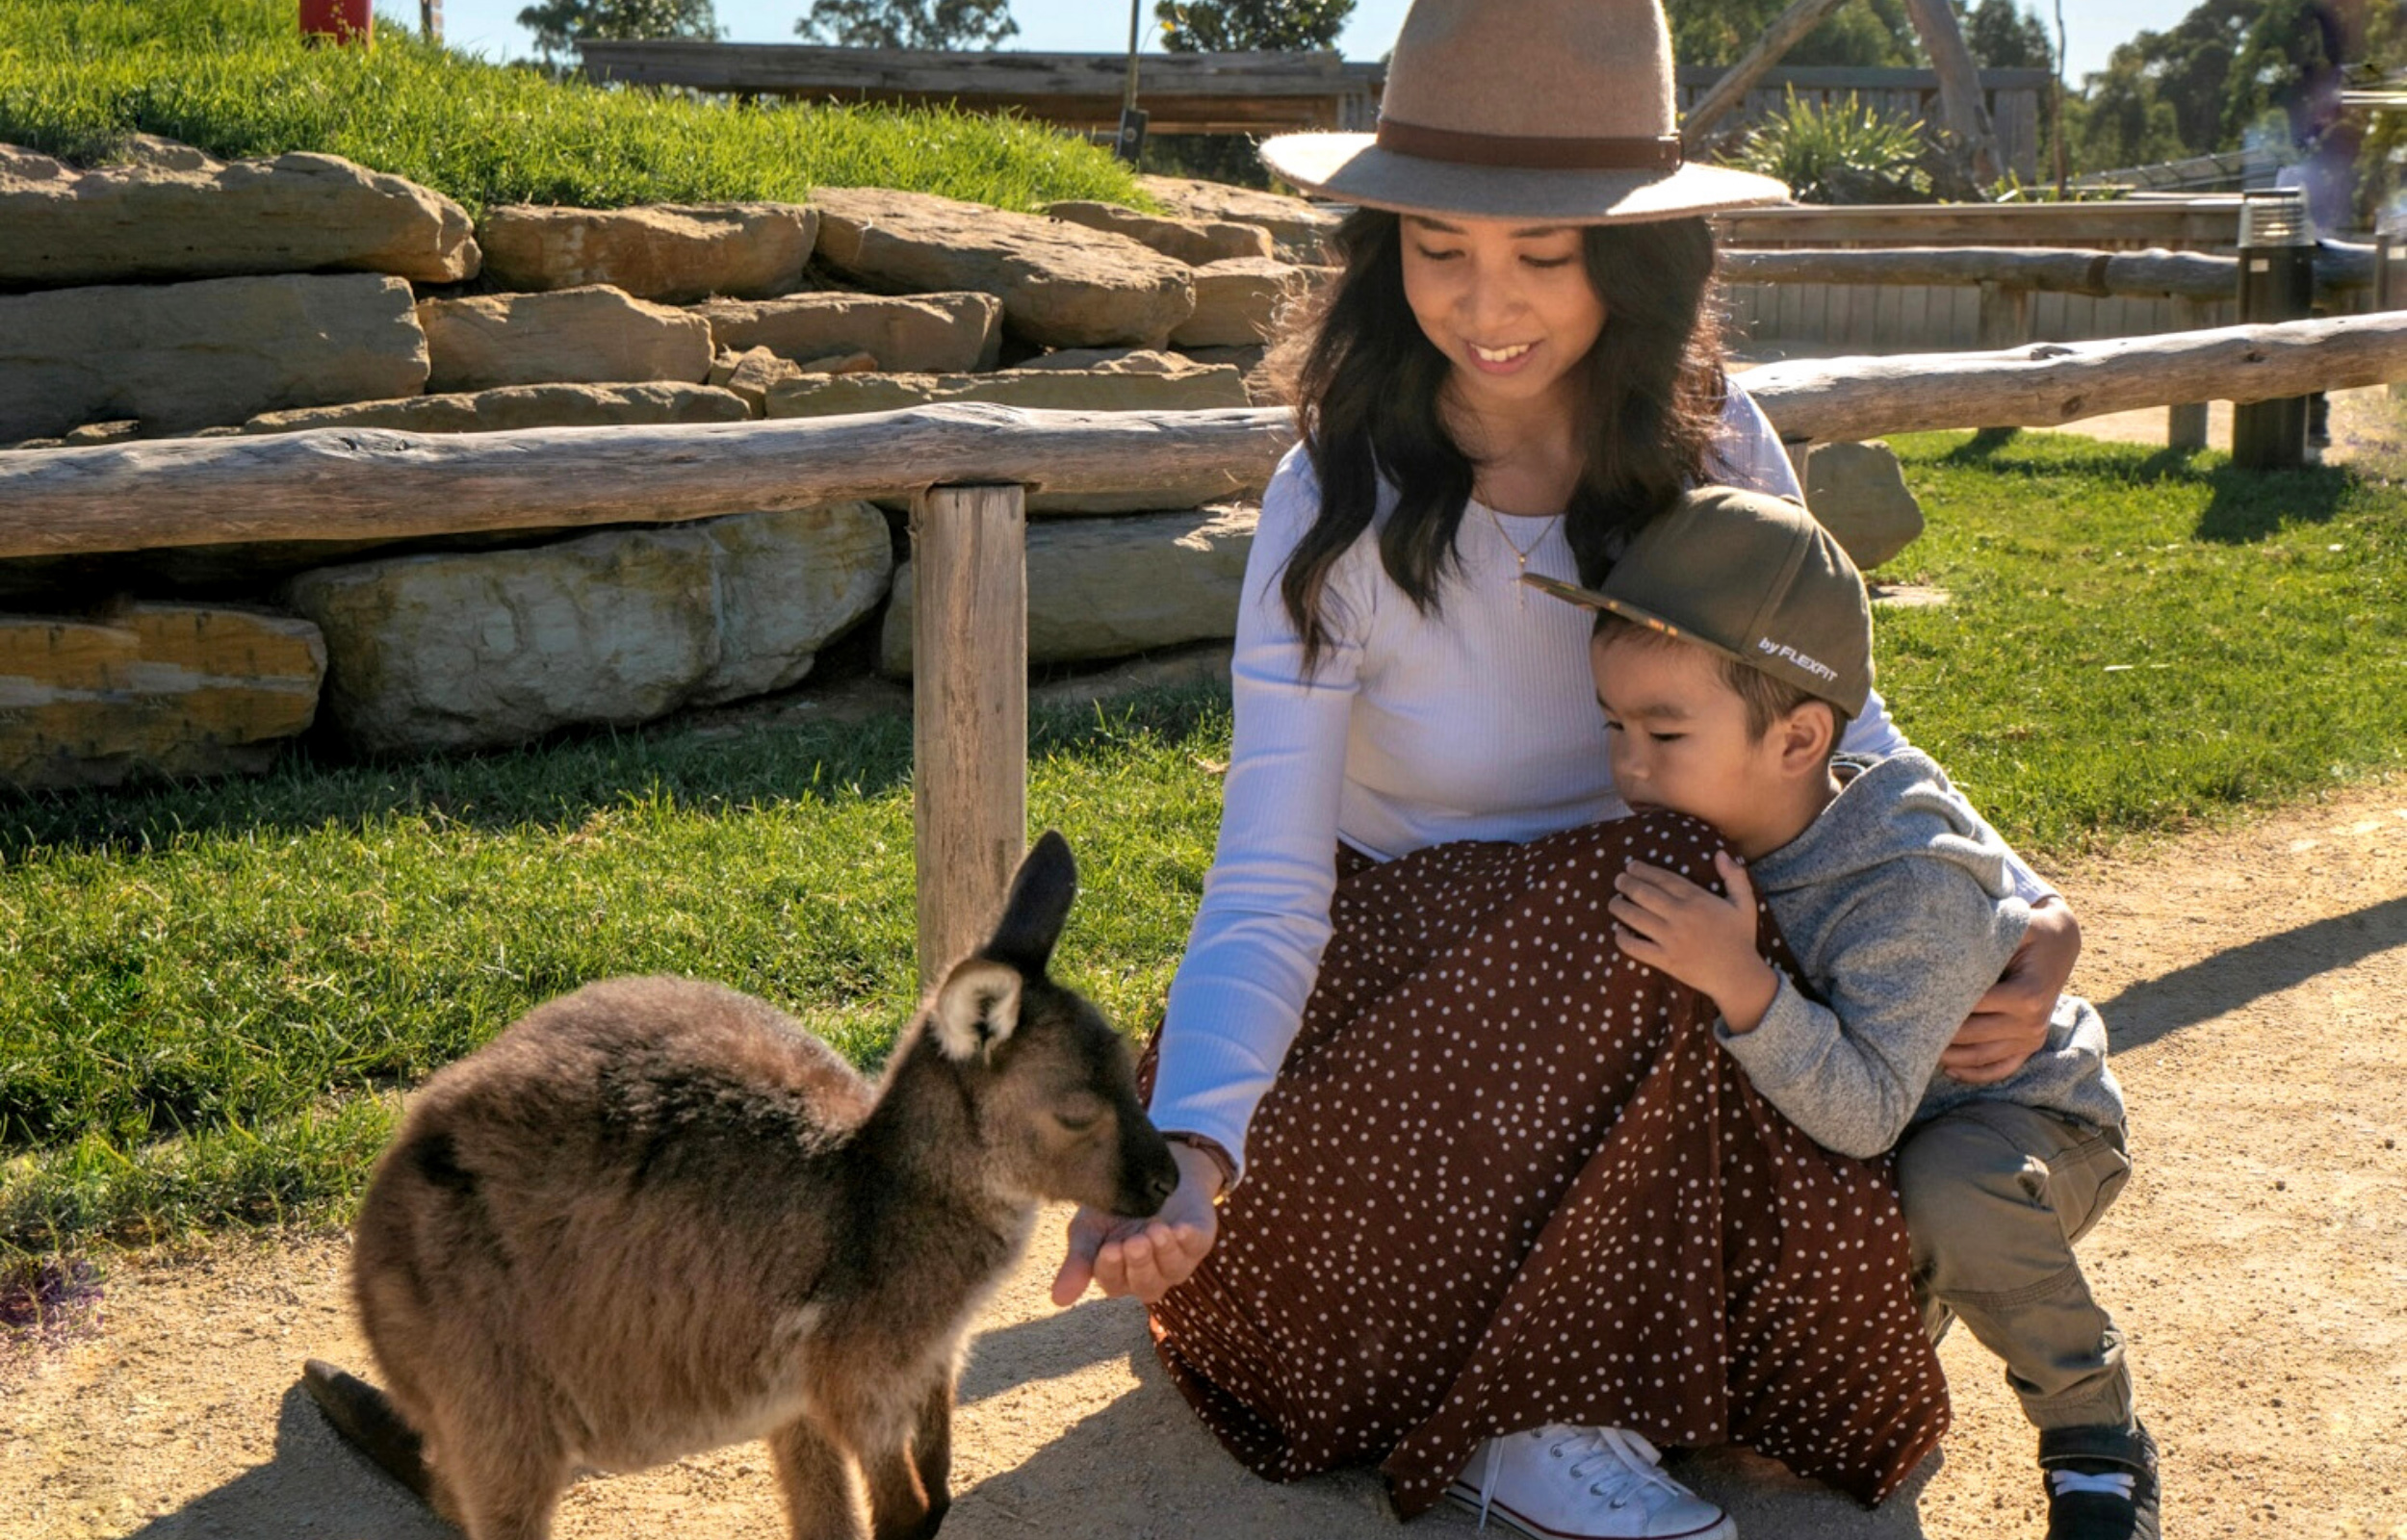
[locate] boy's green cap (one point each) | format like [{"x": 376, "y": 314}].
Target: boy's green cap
[{"x": 1753, "y": 578}]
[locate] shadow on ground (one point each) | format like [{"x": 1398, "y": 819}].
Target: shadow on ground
[
  {"x": 1142, "y": 1465},
  {"x": 316, "y": 1486},
  {"x": 2206, "y": 988}
]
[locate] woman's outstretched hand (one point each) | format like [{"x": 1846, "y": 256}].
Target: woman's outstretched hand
[
  {"x": 2010, "y": 1022},
  {"x": 1145, "y": 1257}
]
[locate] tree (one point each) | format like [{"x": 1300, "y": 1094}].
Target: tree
[
  {"x": 2214, "y": 79},
  {"x": 1236, "y": 26},
  {"x": 2002, "y": 35},
  {"x": 559, "y": 25},
  {"x": 1868, "y": 33},
  {"x": 909, "y": 24}
]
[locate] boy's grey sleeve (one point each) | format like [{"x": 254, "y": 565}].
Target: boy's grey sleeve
[{"x": 1906, "y": 962}]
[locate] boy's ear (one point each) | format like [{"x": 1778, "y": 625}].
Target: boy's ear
[{"x": 1807, "y": 736}]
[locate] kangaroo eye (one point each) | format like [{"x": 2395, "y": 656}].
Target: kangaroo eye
[{"x": 1077, "y": 1124}]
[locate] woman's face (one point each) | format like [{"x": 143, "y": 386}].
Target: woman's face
[{"x": 1509, "y": 303}]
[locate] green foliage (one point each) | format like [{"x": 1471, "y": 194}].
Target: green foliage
[
  {"x": 1845, "y": 152},
  {"x": 1871, "y": 34},
  {"x": 1226, "y": 26},
  {"x": 232, "y": 77},
  {"x": 909, "y": 24},
  {"x": 2227, "y": 68},
  {"x": 559, "y": 25},
  {"x": 2002, "y": 35}
]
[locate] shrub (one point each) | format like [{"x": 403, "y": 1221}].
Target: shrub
[{"x": 1840, "y": 153}]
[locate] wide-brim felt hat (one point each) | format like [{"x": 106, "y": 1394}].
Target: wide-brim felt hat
[{"x": 1553, "y": 110}]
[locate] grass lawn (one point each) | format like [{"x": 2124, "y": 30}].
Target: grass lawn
[
  {"x": 211, "y": 996},
  {"x": 232, "y": 77}
]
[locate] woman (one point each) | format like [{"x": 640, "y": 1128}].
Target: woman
[{"x": 1498, "y": 1184}]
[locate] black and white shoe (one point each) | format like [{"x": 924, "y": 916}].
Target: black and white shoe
[{"x": 2102, "y": 1483}]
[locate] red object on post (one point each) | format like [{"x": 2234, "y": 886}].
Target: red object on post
[{"x": 342, "y": 20}]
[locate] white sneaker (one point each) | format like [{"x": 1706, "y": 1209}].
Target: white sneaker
[{"x": 1584, "y": 1484}]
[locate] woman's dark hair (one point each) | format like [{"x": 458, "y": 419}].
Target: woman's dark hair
[{"x": 1364, "y": 384}]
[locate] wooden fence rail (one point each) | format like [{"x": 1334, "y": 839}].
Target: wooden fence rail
[
  {"x": 353, "y": 484},
  {"x": 970, "y": 467},
  {"x": 2342, "y": 270}
]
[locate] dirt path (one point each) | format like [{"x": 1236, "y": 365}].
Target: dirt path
[{"x": 2259, "y": 1262}]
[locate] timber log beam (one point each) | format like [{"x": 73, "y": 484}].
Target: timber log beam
[
  {"x": 2044, "y": 384},
  {"x": 355, "y": 484},
  {"x": 352, "y": 484},
  {"x": 2339, "y": 267}
]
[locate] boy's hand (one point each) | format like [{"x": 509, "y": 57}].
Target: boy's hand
[{"x": 1704, "y": 940}]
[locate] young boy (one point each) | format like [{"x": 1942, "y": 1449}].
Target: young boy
[{"x": 1733, "y": 644}]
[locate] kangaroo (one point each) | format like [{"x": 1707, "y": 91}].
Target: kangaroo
[{"x": 655, "y": 1217}]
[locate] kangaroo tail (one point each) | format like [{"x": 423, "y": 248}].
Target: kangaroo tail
[{"x": 366, "y": 1417}]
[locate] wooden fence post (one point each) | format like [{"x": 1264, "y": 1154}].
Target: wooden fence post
[
  {"x": 970, "y": 711},
  {"x": 2186, "y": 422},
  {"x": 2004, "y": 322}
]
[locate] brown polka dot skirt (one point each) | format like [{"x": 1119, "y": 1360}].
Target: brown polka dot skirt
[{"x": 1507, "y": 1178}]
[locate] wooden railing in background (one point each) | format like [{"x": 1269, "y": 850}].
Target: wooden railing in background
[{"x": 969, "y": 467}]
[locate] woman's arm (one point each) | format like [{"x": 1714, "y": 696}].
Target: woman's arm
[
  {"x": 2010, "y": 1023},
  {"x": 1255, "y": 953}
]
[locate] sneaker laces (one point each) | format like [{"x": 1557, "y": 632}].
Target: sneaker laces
[
  {"x": 1627, "y": 1464},
  {"x": 2115, "y": 1483}
]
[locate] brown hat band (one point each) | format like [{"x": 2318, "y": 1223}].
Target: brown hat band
[{"x": 1537, "y": 153}]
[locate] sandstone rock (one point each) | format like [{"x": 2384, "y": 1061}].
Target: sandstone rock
[
  {"x": 1137, "y": 381},
  {"x": 920, "y": 333},
  {"x": 102, "y": 433},
  {"x": 152, "y": 689},
  {"x": 521, "y": 406},
  {"x": 1299, "y": 230},
  {"x": 1237, "y": 301},
  {"x": 1112, "y": 361},
  {"x": 673, "y": 253},
  {"x": 1106, "y": 380},
  {"x": 178, "y": 214},
  {"x": 1193, "y": 241},
  {"x": 595, "y": 335},
  {"x": 1109, "y": 587},
  {"x": 751, "y": 373},
  {"x": 496, "y": 648},
  {"x": 1061, "y": 284},
  {"x": 1260, "y": 389},
  {"x": 183, "y": 357},
  {"x": 1156, "y": 382},
  {"x": 1859, "y": 493}
]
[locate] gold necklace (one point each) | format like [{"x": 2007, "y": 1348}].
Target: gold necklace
[{"x": 1521, "y": 553}]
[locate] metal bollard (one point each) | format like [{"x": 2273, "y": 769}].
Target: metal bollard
[{"x": 2276, "y": 283}]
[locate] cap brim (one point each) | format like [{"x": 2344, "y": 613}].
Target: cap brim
[
  {"x": 1354, "y": 168},
  {"x": 1590, "y": 599}
]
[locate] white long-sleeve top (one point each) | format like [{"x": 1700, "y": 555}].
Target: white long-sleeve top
[{"x": 1475, "y": 721}]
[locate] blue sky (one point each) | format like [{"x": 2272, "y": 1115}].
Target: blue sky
[{"x": 2092, "y": 27}]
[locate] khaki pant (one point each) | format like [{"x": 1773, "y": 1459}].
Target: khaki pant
[{"x": 1995, "y": 1195}]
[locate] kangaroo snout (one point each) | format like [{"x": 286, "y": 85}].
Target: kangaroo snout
[{"x": 1149, "y": 1173}]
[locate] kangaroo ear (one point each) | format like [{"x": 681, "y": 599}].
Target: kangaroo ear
[
  {"x": 976, "y": 1007},
  {"x": 1038, "y": 907}
]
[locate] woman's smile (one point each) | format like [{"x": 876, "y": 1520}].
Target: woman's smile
[
  {"x": 1510, "y": 304},
  {"x": 1500, "y": 360}
]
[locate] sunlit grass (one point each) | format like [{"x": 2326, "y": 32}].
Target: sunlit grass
[{"x": 233, "y": 77}]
